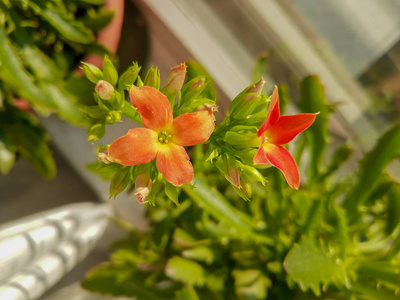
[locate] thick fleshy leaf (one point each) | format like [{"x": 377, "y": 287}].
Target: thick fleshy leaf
[
  {"x": 139, "y": 146},
  {"x": 283, "y": 160},
  {"x": 192, "y": 128},
  {"x": 273, "y": 112},
  {"x": 152, "y": 106},
  {"x": 173, "y": 162},
  {"x": 287, "y": 127}
]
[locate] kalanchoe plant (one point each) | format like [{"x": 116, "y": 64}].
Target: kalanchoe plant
[
  {"x": 336, "y": 237},
  {"x": 41, "y": 44}
]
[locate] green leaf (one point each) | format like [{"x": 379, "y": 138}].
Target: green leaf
[
  {"x": 65, "y": 24},
  {"x": 212, "y": 201},
  {"x": 185, "y": 271},
  {"x": 187, "y": 293},
  {"x": 339, "y": 156},
  {"x": 371, "y": 167},
  {"x": 42, "y": 66},
  {"x": 120, "y": 280},
  {"x": 98, "y": 19},
  {"x": 312, "y": 266},
  {"x": 14, "y": 74},
  {"x": 313, "y": 100},
  {"x": 7, "y": 155},
  {"x": 393, "y": 212},
  {"x": 201, "y": 253},
  {"x": 251, "y": 284},
  {"x": 172, "y": 192}
]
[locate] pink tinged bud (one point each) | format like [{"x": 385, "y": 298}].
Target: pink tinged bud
[
  {"x": 257, "y": 87},
  {"x": 175, "y": 79},
  {"x": 234, "y": 177},
  {"x": 104, "y": 90},
  {"x": 142, "y": 187}
]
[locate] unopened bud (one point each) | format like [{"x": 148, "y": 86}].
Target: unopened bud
[
  {"x": 142, "y": 187},
  {"x": 152, "y": 78},
  {"x": 175, "y": 79},
  {"x": 244, "y": 104},
  {"x": 227, "y": 165},
  {"x": 257, "y": 87},
  {"x": 113, "y": 117},
  {"x": 104, "y": 90},
  {"x": 93, "y": 73}
]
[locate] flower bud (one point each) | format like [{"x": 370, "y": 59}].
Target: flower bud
[
  {"x": 246, "y": 101},
  {"x": 192, "y": 89},
  {"x": 142, "y": 187},
  {"x": 93, "y": 73},
  {"x": 113, "y": 117},
  {"x": 175, "y": 79},
  {"x": 104, "y": 90},
  {"x": 227, "y": 165},
  {"x": 152, "y": 78},
  {"x": 257, "y": 87}
]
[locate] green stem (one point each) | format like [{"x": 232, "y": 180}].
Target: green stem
[{"x": 215, "y": 203}]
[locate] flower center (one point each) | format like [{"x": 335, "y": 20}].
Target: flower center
[{"x": 164, "y": 137}]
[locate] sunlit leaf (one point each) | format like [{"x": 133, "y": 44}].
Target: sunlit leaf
[
  {"x": 371, "y": 167},
  {"x": 186, "y": 271},
  {"x": 312, "y": 101},
  {"x": 311, "y": 266}
]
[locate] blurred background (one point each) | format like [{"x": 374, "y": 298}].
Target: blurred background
[{"x": 352, "y": 45}]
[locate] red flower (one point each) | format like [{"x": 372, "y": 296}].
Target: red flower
[
  {"x": 163, "y": 138},
  {"x": 279, "y": 130}
]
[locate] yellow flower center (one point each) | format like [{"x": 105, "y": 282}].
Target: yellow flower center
[{"x": 164, "y": 137}]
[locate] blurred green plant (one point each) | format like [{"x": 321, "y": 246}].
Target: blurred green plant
[
  {"x": 337, "y": 237},
  {"x": 41, "y": 44}
]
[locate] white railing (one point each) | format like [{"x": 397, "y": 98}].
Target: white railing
[{"x": 37, "y": 251}]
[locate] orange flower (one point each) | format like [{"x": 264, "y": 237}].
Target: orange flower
[
  {"x": 279, "y": 130},
  {"x": 163, "y": 138}
]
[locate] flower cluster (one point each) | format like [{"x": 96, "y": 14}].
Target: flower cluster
[{"x": 181, "y": 115}]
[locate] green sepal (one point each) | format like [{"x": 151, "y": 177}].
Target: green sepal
[
  {"x": 93, "y": 73},
  {"x": 128, "y": 78},
  {"x": 120, "y": 181},
  {"x": 172, "y": 192},
  {"x": 96, "y": 132},
  {"x": 109, "y": 71},
  {"x": 152, "y": 78}
]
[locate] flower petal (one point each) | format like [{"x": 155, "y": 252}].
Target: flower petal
[
  {"x": 283, "y": 160},
  {"x": 138, "y": 146},
  {"x": 173, "y": 162},
  {"x": 288, "y": 127},
  {"x": 192, "y": 128},
  {"x": 273, "y": 112},
  {"x": 152, "y": 106},
  {"x": 260, "y": 159}
]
